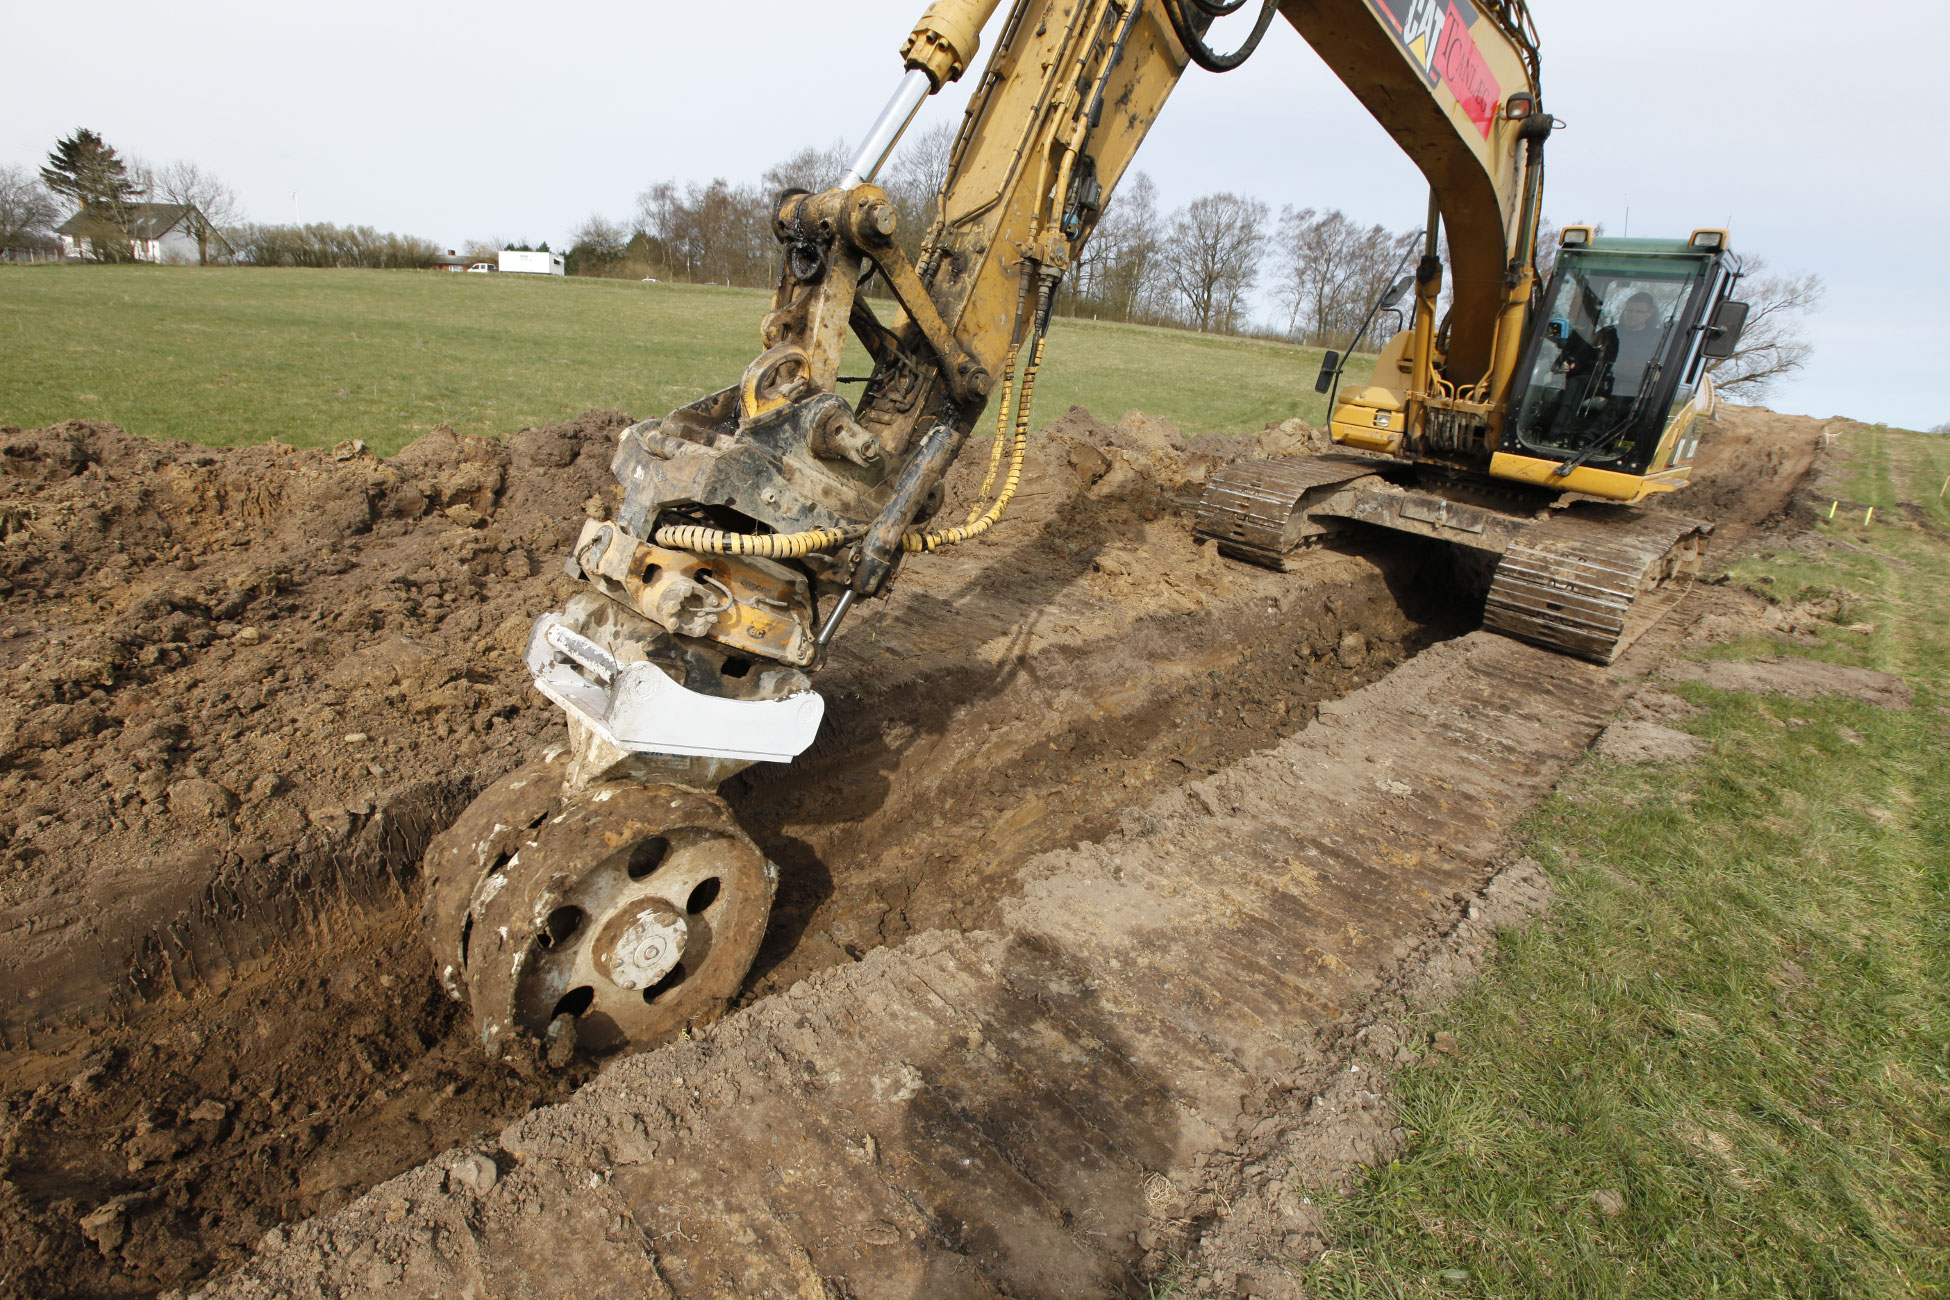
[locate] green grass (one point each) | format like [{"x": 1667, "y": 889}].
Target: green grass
[
  {"x": 1735, "y": 1018},
  {"x": 237, "y": 355}
]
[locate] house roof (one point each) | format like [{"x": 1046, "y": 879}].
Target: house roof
[{"x": 146, "y": 221}]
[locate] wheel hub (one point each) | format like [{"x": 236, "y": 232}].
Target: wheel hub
[{"x": 636, "y": 951}]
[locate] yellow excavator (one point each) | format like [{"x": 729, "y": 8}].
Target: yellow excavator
[{"x": 604, "y": 897}]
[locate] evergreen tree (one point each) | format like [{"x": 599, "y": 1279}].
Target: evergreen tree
[{"x": 86, "y": 171}]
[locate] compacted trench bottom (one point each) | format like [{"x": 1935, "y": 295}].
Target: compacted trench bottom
[{"x": 1008, "y": 700}]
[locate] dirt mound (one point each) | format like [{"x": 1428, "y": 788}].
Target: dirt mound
[
  {"x": 243, "y": 688},
  {"x": 1748, "y": 471},
  {"x": 251, "y": 680},
  {"x": 1798, "y": 678}
]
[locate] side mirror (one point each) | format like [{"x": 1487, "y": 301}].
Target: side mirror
[
  {"x": 1558, "y": 329},
  {"x": 1723, "y": 331},
  {"x": 1395, "y": 292},
  {"x": 1329, "y": 366}
]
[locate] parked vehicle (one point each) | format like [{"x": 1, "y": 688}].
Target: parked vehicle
[{"x": 534, "y": 263}]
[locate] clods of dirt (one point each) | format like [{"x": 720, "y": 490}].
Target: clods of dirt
[{"x": 243, "y": 687}]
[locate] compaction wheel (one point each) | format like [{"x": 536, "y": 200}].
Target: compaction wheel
[{"x": 616, "y": 916}]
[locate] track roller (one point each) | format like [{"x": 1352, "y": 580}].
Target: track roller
[{"x": 1590, "y": 584}]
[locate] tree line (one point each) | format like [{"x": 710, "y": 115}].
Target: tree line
[
  {"x": 1197, "y": 267},
  {"x": 1205, "y": 266}
]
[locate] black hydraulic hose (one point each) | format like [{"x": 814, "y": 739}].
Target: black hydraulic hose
[
  {"x": 1095, "y": 115},
  {"x": 1194, "y": 41}
]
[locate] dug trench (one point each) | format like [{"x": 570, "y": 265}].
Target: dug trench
[
  {"x": 1164, "y": 1040},
  {"x": 245, "y": 687}
]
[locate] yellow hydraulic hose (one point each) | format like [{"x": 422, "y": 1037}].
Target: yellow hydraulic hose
[
  {"x": 981, "y": 516},
  {"x": 1001, "y": 427},
  {"x": 980, "y": 523},
  {"x": 771, "y": 546}
]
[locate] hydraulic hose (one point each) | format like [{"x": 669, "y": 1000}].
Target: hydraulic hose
[
  {"x": 1194, "y": 41},
  {"x": 982, "y": 516},
  {"x": 771, "y": 546},
  {"x": 979, "y": 523}
]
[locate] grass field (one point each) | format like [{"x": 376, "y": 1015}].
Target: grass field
[
  {"x": 1721, "y": 1065},
  {"x": 236, "y": 355}
]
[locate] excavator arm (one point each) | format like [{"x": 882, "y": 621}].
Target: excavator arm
[
  {"x": 604, "y": 896},
  {"x": 812, "y": 502}
]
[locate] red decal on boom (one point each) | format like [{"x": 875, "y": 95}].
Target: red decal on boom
[{"x": 1458, "y": 62}]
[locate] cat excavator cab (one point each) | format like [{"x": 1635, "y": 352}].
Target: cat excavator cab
[{"x": 604, "y": 897}]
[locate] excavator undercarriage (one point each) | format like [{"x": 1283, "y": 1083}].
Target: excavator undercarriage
[{"x": 1583, "y": 578}]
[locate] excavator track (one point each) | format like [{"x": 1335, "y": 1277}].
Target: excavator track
[
  {"x": 1590, "y": 582},
  {"x": 1257, "y": 510}
]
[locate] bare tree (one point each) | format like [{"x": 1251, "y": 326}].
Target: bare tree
[
  {"x": 28, "y": 211},
  {"x": 1211, "y": 259},
  {"x": 1118, "y": 272},
  {"x": 914, "y": 180},
  {"x": 810, "y": 169},
  {"x": 213, "y": 205},
  {"x": 1334, "y": 270},
  {"x": 1773, "y": 346},
  {"x": 717, "y": 233},
  {"x": 596, "y": 245}
]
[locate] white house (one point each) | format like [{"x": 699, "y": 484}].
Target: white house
[{"x": 158, "y": 232}]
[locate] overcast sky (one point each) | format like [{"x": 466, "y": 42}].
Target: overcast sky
[{"x": 1821, "y": 142}]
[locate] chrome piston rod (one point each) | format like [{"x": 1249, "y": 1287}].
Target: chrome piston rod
[{"x": 886, "y": 130}]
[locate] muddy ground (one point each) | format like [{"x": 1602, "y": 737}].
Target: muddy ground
[{"x": 242, "y": 688}]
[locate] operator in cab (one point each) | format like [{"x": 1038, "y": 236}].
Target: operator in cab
[
  {"x": 1630, "y": 344},
  {"x": 1619, "y": 353}
]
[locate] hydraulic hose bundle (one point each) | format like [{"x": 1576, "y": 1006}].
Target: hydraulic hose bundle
[
  {"x": 770, "y": 546},
  {"x": 983, "y": 514},
  {"x": 1191, "y": 32}
]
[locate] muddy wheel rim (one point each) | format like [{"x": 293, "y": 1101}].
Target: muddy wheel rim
[
  {"x": 481, "y": 840},
  {"x": 635, "y": 911}
]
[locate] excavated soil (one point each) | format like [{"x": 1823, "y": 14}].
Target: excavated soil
[{"x": 244, "y": 687}]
